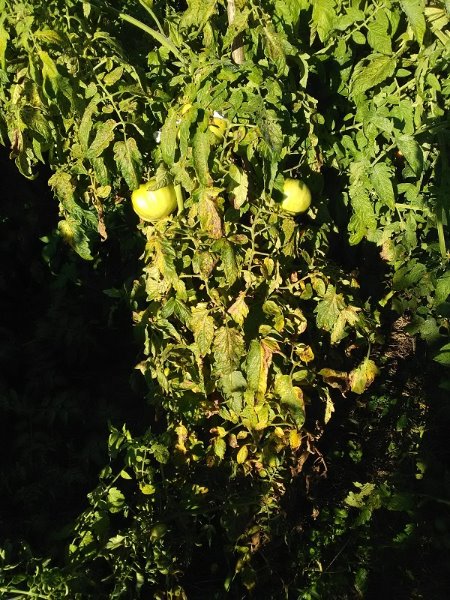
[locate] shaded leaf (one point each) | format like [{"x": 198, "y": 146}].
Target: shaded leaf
[{"x": 363, "y": 376}]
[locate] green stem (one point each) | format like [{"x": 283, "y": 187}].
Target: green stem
[
  {"x": 159, "y": 37},
  {"x": 152, "y": 14},
  {"x": 21, "y": 593}
]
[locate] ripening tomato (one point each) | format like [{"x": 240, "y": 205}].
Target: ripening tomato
[
  {"x": 218, "y": 126},
  {"x": 152, "y": 205},
  {"x": 297, "y": 196}
]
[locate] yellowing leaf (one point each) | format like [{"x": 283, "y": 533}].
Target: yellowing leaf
[
  {"x": 294, "y": 439},
  {"x": 305, "y": 353},
  {"x": 258, "y": 363},
  {"x": 147, "y": 489},
  {"x": 202, "y": 325},
  {"x": 209, "y": 217},
  {"x": 228, "y": 350},
  {"x": 242, "y": 455},
  {"x": 291, "y": 397},
  {"x": 239, "y": 309},
  {"x": 363, "y": 376}
]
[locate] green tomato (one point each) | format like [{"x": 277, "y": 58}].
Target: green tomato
[
  {"x": 218, "y": 126},
  {"x": 297, "y": 196},
  {"x": 152, "y": 205}
]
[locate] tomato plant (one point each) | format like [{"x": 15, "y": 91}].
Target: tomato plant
[{"x": 252, "y": 328}]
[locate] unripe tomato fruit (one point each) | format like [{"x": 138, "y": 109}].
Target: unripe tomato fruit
[
  {"x": 218, "y": 127},
  {"x": 297, "y": 196},
  {"x": 152, "y": 205}
]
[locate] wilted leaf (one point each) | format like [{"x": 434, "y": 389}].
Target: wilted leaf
[
  {"x": 335, "y": 379},
  {"x": 363, "y": 376}
]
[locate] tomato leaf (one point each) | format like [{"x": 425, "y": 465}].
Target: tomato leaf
[
  {"x": 202, "y": 326},
  {"x": 363, "y": 376},
  {"x": 367, "y": 76},
  {"x": 228, "y": 349},
  {"x": 129, "y": 161},
  {"x": 292, "y": 398}
]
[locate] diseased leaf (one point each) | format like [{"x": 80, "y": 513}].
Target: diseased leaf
[
  {"x": 201, "y": 148},
  {"x": 329, "y": 309},
  {"x": 228, "y": 349},
  {"x": 129, "y": 161},
  {"x": 169, "y": 137},
  {"x": 292, "y": 398},
  {"x": 274, "y": 48},
  {"x": 103, "y": 137},
  {"x": 209, "y": 217},
  {"x": 363, "y": 376},
  {"x": 228, "y": 260},
  {"x": 239, "y": 309},
  {"x": 85, "y": 126},
  {"x": 202, "y": 325},
  {"x": 238, "y": 25},
  {"x": 259, "y": 359},
  {"x": 164, "y": 259}
]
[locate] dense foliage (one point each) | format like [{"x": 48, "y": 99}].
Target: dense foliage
[{"x": 254, "y": 449}]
